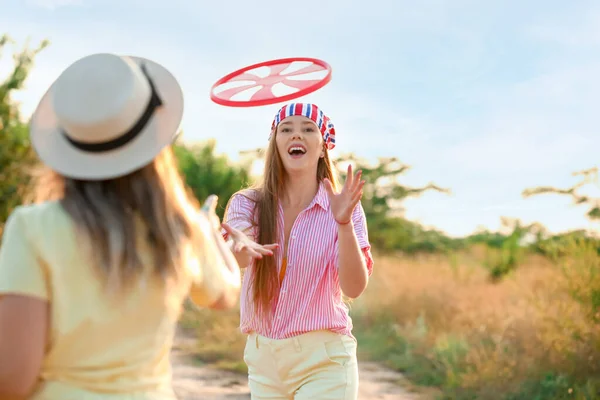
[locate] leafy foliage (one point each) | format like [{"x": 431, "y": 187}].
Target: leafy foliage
[
  {"x": 589, "y": 177},
  {"x": 382, "y": 201},
  {"x": 505, "y": 251},
  {"x": 16, "y": 155},
  {"x": 383, "y": 192},
  {"x": 206, "y": 173}
]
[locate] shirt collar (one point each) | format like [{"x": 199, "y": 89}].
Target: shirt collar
[{"x": 322, "y": 199}]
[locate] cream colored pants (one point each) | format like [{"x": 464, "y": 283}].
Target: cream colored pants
[{"x": 317, "y": 365}]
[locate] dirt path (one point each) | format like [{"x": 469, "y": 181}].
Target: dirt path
[{"x": 193, "y": 382}]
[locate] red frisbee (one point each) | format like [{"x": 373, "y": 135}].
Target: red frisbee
[{"x": 252, "y": 89}]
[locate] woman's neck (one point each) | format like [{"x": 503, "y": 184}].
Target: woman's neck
[{"x": 299, "y": 192}]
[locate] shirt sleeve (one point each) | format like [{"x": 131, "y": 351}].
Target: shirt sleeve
[
  {"x": 211, "y": 276},
  {"x": 22, "y": 271},
  {"x": 240, "y": 215},
  {"x": 359, "y": 220}
]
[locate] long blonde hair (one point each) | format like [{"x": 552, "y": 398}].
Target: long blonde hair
[
  {"x": 265, "y": 284},
  {"x": 108, "y": 212}
]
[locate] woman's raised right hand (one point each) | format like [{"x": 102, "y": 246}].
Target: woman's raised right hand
[{"x": 245, "y": 249}]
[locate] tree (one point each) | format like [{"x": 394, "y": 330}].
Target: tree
[
  {"x": 383, "y": 192},
  {"x": 588, "y": 177},
  {"x": 383, "y": 195},
  {"x": 16, "y": 154},
  {"x": 206, "y": 173},
  {"x": 558, "y": 245}
]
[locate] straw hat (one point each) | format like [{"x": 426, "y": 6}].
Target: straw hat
[{"x": 106, "y": 116}]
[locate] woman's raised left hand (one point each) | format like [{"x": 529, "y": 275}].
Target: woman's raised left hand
[{"x": 343, "y": 203}]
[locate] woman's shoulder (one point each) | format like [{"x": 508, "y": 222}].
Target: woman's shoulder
[
  {"x": 37, "y": 211},
  {"x": 40, "y": 217},
  {"x": 245, "y": 197},
  {"x": 41, "y": 225},
  {"x": 242, "y": 205},
  {"x": 250, "y": 194}
]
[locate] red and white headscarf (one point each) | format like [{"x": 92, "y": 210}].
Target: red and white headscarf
[{"x": 312, "y": 112}]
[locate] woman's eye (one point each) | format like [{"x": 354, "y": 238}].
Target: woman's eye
[{"x": 310, "y": 129}]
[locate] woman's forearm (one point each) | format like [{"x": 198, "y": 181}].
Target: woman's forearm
[
  {"x": 352, "y": 267},
  {"x": 231, "y": 275}
]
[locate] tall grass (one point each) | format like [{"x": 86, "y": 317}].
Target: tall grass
[
  {"x": 534, "y": 334},
  {"x": 220, "y": 343}
]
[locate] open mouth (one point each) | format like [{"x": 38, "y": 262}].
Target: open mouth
[{"x": 296, "y": 151}]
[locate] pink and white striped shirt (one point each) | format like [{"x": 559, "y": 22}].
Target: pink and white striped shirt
[{"x": 310, "y": 297}]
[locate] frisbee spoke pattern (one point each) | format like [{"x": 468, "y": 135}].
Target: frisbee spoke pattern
[
  {"x": 307, "y": 70},
  {"x": 247, "y": 81},
  {"x": 264, "y": 93},
  {"x": 300, "y": 84},
  {"x": 229, "y": 93},
  {"x": 277, "y": 69},
  {"x": 245, "y": 77}
]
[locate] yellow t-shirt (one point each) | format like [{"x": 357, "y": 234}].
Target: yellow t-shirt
[{"x": 100, "y": 348}]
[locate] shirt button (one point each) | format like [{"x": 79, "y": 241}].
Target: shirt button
[
  {"x": 293, "y": 236},
  {"x": 283, "y": 291}
]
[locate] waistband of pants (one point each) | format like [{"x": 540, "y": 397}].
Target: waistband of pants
[{"x": 298, "y": 342}]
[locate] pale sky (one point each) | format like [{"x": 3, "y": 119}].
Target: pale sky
[{"x": 487, "y": 98}]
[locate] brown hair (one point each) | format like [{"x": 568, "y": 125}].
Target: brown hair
[
  {"x": 109, "y": 213},
  {"x": 265, "y": 284}
]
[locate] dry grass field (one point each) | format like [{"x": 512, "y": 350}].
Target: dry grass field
[{"x": 445, "y": 324}]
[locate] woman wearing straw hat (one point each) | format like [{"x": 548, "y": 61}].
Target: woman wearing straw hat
[{"x": 92, "y": 280}]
